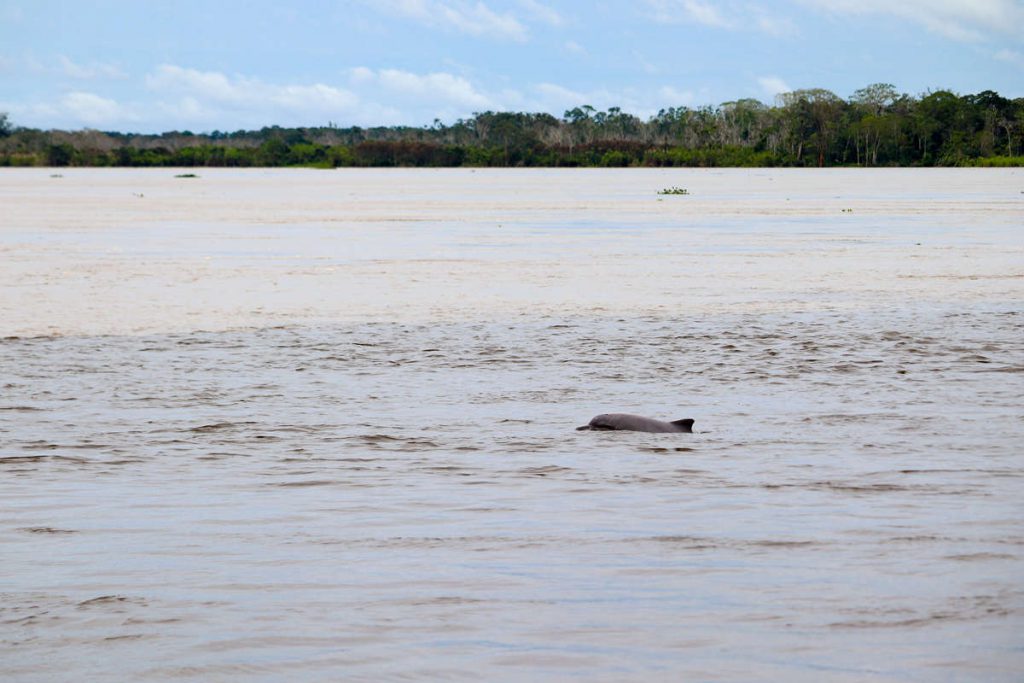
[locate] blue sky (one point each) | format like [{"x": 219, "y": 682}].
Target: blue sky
[{"x": 157, "y": 65}]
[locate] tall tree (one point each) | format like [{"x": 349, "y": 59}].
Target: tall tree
[
  {"x": 814, "y": 116},
  {"x": 875, "y": 98}
]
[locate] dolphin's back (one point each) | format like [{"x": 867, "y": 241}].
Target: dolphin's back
[{"x": 637, "y": 423}]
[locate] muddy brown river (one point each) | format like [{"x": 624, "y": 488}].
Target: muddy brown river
[{"x": 267, "y": 425}]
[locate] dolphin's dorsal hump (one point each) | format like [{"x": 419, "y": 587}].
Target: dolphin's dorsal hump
[{"x": 686, "y": 425}]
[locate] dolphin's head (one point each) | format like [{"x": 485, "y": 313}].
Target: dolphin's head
[{"x": 598, "y": 423}]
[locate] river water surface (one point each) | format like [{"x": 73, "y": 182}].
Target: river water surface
[{"x": 319, "y": 425}]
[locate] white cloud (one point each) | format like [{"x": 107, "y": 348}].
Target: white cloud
[
  {"x": 204, "y": 100},
  {"x": 703, "y": 13},
  {"x": 689, "y": 11},
  {"x": 1011, "y": 57},
  {"x": 199, "y": 99},
  {"x": 318, "y": 97},
  {"x": 773, "y": 85},
  {"x": 732, "y": 15},
  {"x": 542, "y": 13},
  {"x": 241, "y": 91},
  {"x": 444, "y": 89},
  {"x": 962, "y": 20},
  {"x": 30, "y": 113},
  {"x": 90, "y": 71},
  {"x": 190, "y": 109},
  {"x": 210, "y": 98},
  {"x": 476, "y": 19},
  {"x": 94, "y": 110},
  {"x": 361, "y": 74},
  {"x": 441, "y": 85},
  {"x": 558, "y": 97},
  {"x": 206, "y": 84}
]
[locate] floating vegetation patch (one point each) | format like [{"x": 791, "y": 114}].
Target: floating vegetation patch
[{"x": 674, "y": 190}]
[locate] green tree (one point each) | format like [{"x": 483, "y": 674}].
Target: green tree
[
  {"x": 994, "y": 113},
  {"x": 60, "y": 155},
  {"x": 870, "y": 120},
  {"x": 581, "y": 125},
  {"x": 875, "y": 126},
  {"x": 273, "y": 152},
  {"x": 743, "y": 122},
  {"x": 934, "y": 124},
  {"x": 814, "y": 117},
  {"x": 875, "y": 98}
]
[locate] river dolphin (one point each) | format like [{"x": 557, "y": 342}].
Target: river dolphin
[{"x": 636, "y": 423}]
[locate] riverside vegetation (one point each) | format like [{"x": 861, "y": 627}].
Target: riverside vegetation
[{"x": 876, "y": 126}]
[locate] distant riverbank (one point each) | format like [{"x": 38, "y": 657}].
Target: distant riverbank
[{"x": 876, "y": 127}]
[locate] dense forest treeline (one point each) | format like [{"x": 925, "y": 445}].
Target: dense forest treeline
[{"x": 876, "y": 126}]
